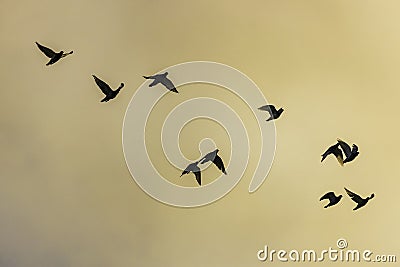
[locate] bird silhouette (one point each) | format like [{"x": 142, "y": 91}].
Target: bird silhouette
[
  {"x": 106, "y": 89},
  {"x": 162, "y": 78},
  {"x": 274, "y": 114},
  {"x": 213, "y": 156},
  {"x": 194, "y": 169},
  {"x": 361, "y": 202},
  {"x": 351, "y": 153},
  {"x": 335, "y": 150},
  {"x": 333, "y": 199},
  {"x": 54, "y": 57}
]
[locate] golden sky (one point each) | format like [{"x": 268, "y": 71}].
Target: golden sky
[{"x": 66, "y": 195}]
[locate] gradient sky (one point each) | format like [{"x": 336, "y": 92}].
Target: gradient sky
[{"x": 66, "y": 195}]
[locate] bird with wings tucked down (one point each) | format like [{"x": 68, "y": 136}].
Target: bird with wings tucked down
[
  {"x": 333, "y": 199},
  {"x": 214, "y": 158},
  {"x": 274, "y": 114},
  {"x": 54, "y": 56},
  {"x": 106, "y": 89},
  {"x": 351, "y": 153},
  {"x": 162, "y": 78},
  {"x": 334, "y": 150},
  {"x": 195, "y": 170},
  {"x": 361, "y": 202}
]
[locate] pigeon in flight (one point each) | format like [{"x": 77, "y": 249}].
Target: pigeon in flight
[
  {"x": 194, "y": 169},
  {"x": 333, "y": 199},
  {"x": 335, "y": 150},
  {"x": 351, "y": 153},
  {"x": 212, "y": 156},
  {"x": 361, "y": 202},
  {"x": 162, "y": 78},
  {"x": 105, "y": 88},
  {"x": 274, "y": 114},
  {"x": 54, "y": 57}
]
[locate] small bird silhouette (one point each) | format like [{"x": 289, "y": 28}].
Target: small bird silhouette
[
  {"x": 274, "y": 114},
  {"x": 106, "y": 89},
  {"x": 212, "y": 156},
  {"x": 361, "y": 202},
  {"x": 335, "y": 150},
  {"x": 162, "y": 78},
  {"x": 351, "y": 153},
  {"x": 333, "y": 199},
  {"x": 194, "y": 169},
  {"x": 54, "y": 57}
]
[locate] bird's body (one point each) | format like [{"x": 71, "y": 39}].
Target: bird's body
[
  {"x": 273, "y": 112},
  {"x": 361, "y": 202},
  {"x": 213, "y": 157},
  {"x": 106, "y": 89},
  {"x": 162, "y": 78},
  {"x": 333, "y": 199},
  {"x": 194, "y": 169},
  {"x": 334, "y": 150},
  {"x": 351, "y": 153},
  {"x": 54, "y": 57}
]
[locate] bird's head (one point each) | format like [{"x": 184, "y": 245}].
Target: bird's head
[
  {"x": 165, "y": 73},
  {"x": 372, "y": 196},
  {"x": 121, "y": 86},
  {"x": 339, "y": 196},
  {"x": 281, "y": 110}
]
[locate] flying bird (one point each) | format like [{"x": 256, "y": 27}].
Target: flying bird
[
  {"x": 334, "y": 150},
  {"x": 162, "y": 78},
  {"x": 212, "y": 156},
  {"x": 194, "y": 169},
  {"x": 361, "y": 202},
  {"x": 351, "y": 153},
  {"x": 274, "y": 114},
  {"x": 106, "y": 89},
  {"x": 333, "y": 199},
  {"x": 54, "y": 57}
]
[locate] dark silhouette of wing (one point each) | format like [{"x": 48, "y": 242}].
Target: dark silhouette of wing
[
  {"x": 47, "y": 51},
  {"x": 198, "y": 176},
  {"x": 218, "y": 162},
  {"x": 346, "y": 148},
  {"x": 335, "y": 150},
  {"x": 169, "y": 85},
  {"x": 105, "y": 88},
  {"x": 356, "y": 198},
  {"x": 270, "y": 108},
  {"x": 330, "y": 196}
]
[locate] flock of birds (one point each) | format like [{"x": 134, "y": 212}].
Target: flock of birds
[
  {"x": 351, "y": 153},
  {"x": 337, "y": 149}
]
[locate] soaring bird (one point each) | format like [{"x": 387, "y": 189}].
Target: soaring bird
[
  {"x": 333, "y": 199},
  {"x": 54, "y": 57},
  {"x": 194, "y": 169},
  {"x": 351, "y": 153},
  {"x": 361, "y": 202},
  {"x": 106, "y": 89},
  {"x": 335, "y": 150},
  {"x": 274, "y": 114},
  {"x": 212, "y": 156},
  {"x": 162, "y": 78}
]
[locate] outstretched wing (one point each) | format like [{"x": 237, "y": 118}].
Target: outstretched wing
[
  {"x": 47, "y": 51},
  {"x": 356, "y": 198},
  {"x": 270, "y": 108},
  {"x": 169, "y": 85},
  {"x": 105, "y": 88},
  {"x": 330, "y": 196},
  {"x": 339, "y": 155},
  {"x": 219, "y": 163},
  {"x": 198, "y": 177},
  {"x": 346, "y": 148}
]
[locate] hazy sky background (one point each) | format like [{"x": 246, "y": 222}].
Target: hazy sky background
[{"x": 66, "y": 196}]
